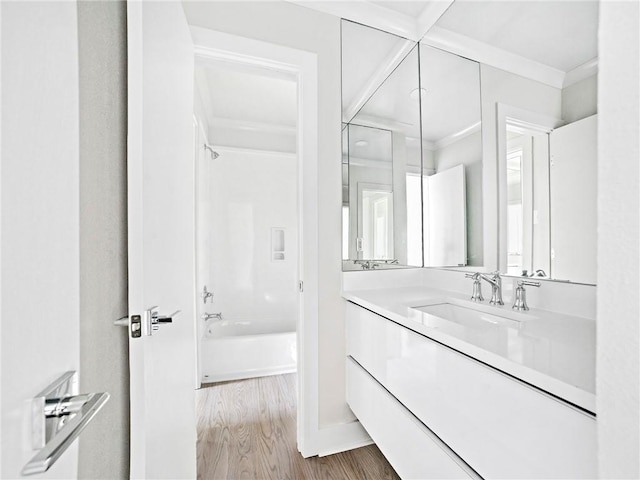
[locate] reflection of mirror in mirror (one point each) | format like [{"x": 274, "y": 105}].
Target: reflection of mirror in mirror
[
  {"x": 539, "y": 58},
  {"x": 527, "y": 201},
  {"x": 452, "y": 153},
  {"x": 381, "y": 150},
  {"x": 551, "y": 195}
]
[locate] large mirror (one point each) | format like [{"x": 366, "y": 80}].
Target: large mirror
[
  {"x": 382, "y": 214},
  {"x": 538, "y": 69},
  {"x": 452, "y": 159},
  {"x": 509, "y": 170}
]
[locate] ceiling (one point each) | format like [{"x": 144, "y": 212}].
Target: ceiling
[
  {"x": 560, "y": 34},
  {"x": 247, "y": 107},
  {"x": 541, "y": 39},
  {"x": 547, "y": 41}
]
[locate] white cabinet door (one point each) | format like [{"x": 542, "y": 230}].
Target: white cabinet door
[{"x": 161, "y": 239}]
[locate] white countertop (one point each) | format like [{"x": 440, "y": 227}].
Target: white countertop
[{"x": 554, "y": 352}]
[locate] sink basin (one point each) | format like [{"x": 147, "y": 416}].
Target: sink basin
[{"x": 469, "y": 313}]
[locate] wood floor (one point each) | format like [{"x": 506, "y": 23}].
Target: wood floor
[{"x": 247, "y": 430}]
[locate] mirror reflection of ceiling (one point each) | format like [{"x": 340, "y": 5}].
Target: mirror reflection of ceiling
[
  {"x": 368, "y": 58},
  {"x": 247, "y": 107},
  {"x": 370, "y": 147},
  {"x": 451, "y": 89},
  {"x": 395, "y": 104}
]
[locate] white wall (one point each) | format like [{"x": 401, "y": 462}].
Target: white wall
[
  {"x": 618, "y": 354},
  {"x": 251, "y": 193},
  {"x": 40, "y": 225},
  {"x": 580, "y": 100},
  {"x": 298, "y": 27}
]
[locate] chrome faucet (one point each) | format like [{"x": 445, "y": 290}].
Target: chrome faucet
[
  {"x": 209, "y": 316},
  {"x": 520, "y": 298},
  {"x": 206, "y": 294},
  {"x": 476, "y": 296},
  {"x": 495, "y": 280}
]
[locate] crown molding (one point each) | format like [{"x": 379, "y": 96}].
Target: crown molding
[
  {"x": 222, "y": 149},
  {"x": 249, "y": 126},
  {"x": 586, "y": 70},
  {"x": 457, "y": 136},
  {"x": 496, "y": 57}
]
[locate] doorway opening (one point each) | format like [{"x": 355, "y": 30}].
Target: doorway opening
[
  {"x": 247, "y": 250},
  {"x": 262, "y": 200}
]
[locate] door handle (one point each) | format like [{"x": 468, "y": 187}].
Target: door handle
[{"x": 155, "y": 319}]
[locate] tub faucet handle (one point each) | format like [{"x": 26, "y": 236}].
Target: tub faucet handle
[{"x": 206, "y": 295}]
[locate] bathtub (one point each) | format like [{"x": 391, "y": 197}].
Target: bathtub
[{"x": 233, "y": 350}]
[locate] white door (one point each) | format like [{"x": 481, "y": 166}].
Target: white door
[
  {"x": 161, "y": 239},
  {"x": 573, "y": 187},
  {"x": 445, "y": 218},
  {"x": 39, "y": 213}
]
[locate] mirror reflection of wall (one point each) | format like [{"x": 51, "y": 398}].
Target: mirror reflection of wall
[
  {"x": 452, "y": 138},
  {"x": 381, "y": 150}
]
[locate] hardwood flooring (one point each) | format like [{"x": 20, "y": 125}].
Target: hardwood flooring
[{"x": 247, "y": 430}]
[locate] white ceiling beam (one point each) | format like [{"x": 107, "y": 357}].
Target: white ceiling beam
[
  {"x": 249, "y": 126},
  {"x": 367, "y": 13},
  {"x": 366, "y": 91},
  {"x": 496, "y": 57},
  {"x": 430, "y": 15},
  {"x": 586, "y": 70}
]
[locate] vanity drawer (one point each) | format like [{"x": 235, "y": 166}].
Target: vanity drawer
[
  {"x": 501, "y": 427},
  {"x": 412, "y": 450}
]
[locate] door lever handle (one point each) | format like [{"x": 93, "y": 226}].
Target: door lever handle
[
  {"x": 166, "y": 318},
  {"x": 155, "y": 319}
]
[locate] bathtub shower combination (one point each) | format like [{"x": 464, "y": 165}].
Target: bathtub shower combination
[
  {"x": 234, "y": 349},
  {"x": 247, "y": 264}
]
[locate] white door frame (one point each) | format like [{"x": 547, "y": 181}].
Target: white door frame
[
  {"x": 222, "y": 47},
  {"x": 537, "y": 122}
]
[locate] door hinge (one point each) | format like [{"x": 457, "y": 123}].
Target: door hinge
[{"x": 301, "y": 286}]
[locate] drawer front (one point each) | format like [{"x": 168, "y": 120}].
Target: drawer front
[
  {"x": 501, "y": 427},
  {"x": 404, "y": 441}
]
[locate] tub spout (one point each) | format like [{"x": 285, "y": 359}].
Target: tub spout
[{"x": 209, "y": 316}]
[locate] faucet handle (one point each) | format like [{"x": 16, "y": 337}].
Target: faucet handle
[
  {"x": 520, "y": 298},
  {"x": 476, "y": 295}
]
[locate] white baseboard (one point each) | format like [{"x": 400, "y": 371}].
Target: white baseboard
[
  {"x": 342, "y": 437},
  {"x": 253, "y": 373}
]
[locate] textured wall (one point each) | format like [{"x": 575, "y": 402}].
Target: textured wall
[
  {"x": 104, "y": 447},
  {"x": 618, "y": 348}
]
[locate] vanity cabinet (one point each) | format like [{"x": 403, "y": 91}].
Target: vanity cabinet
[{"x": 496, "y": 424}]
